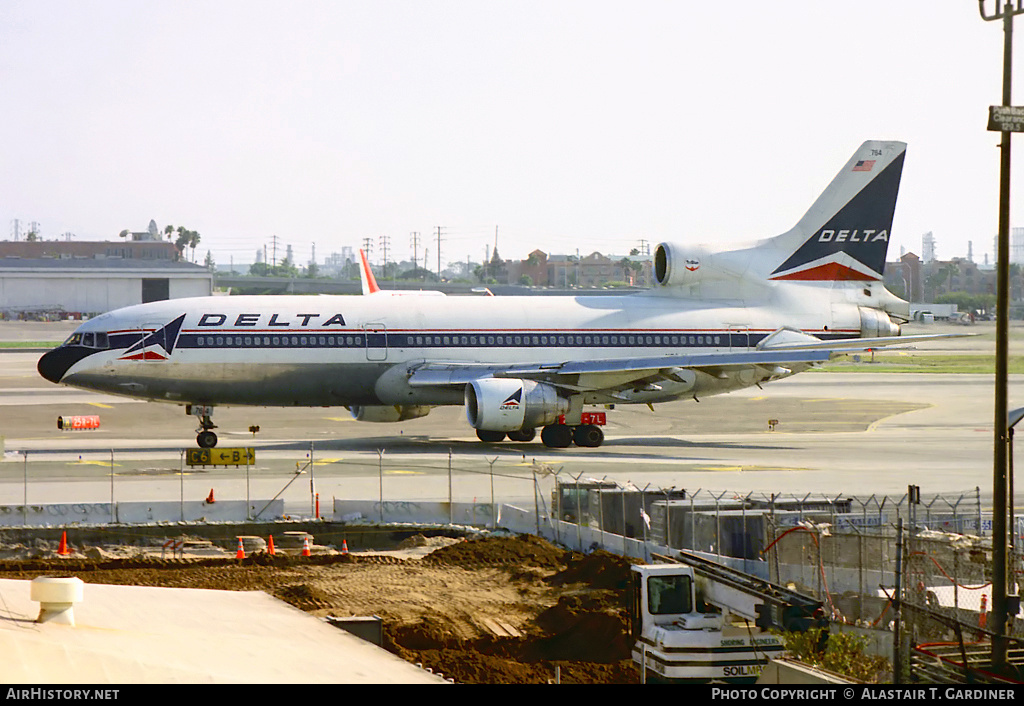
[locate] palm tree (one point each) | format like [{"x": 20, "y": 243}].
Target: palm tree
[{"x": 187, "y": 239}]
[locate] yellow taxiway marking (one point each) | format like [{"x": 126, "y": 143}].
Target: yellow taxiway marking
[
  {"x": 100, "y": 404},
  {"x": 325, "y": 461},
  {"x": 761, "y": 397},
  {"x": 339, "y": 419},
  {"x": 81, "y": 462},
  {"x": 404, "y": 473}
]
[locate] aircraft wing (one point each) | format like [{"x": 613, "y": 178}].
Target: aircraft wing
[
  {"x": 776, "y": 354},
  {"x": 847, "y": 345},
  {"x": 577, "y": 375}
]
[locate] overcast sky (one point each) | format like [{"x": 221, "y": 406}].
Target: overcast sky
[{"x": 565, "y": 125}]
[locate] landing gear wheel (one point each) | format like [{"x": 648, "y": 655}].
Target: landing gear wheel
[
  {"x": 489, "y": 436},
  {"x": 206, "y": 439},
  {"x": 588, "y": 435},
  {"x": 556, "y": 436},
  {"x": 522, "y": 435}
]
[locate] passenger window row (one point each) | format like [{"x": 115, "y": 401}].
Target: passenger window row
[{"x": 408, "y": 340}]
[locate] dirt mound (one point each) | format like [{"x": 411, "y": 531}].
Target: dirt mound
[
  {"x": 430, "y": 632},
  {"x": 524, "y": 550},
  {"x": 304, "y": 597},
  {"x": 486, "y": 611},
  {"x": 510, "y": 669},
  {"x": 592, "y": 626},
  {"x": 599, "y": 570}
]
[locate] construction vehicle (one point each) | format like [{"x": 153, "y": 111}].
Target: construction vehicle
[{"x": 694, "y": 620}]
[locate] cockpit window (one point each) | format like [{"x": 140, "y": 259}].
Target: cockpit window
[{"x": 89, "y": 340}]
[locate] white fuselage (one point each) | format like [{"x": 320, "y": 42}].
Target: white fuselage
[{"x": 336, "y": 350}]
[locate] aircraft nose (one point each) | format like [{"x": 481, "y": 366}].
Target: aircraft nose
[{"x": 54, "y": 364}]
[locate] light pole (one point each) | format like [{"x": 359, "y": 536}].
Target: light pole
[
  {"x": 1005, "y": 12},
  {"x": 1012, "y": 418}
]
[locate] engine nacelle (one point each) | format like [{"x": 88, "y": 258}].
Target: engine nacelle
[
  {"x": 388, "y": 413},
  {"x": 876, "y": 323},
  {"x": 678, "y": 265},
  {"x": 509, "y": 404}
]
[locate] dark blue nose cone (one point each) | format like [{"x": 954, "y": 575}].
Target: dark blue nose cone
[{"x": 56, "y": 363}]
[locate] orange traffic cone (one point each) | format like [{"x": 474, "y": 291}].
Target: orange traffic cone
[
  {"x": 240, "y": 554},
  {"x": 270, "y": 546},
  {"x": 344, "y": 546},
  {"x": 209, "y": 498},
  {"x": 63, "y": 550},
  {"x": 305, "y": 546}
]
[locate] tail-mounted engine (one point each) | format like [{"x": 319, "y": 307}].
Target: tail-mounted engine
[
  {"x": 508, "y": 404},
  {"x": 874, "y": 323},
  {"x": 680, "y": 265},
  {"x": 388, "y": 413}
]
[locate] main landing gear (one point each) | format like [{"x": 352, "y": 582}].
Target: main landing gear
[
  {"x": 560, "y": 436},
  {"x": 554, "y": 436},
  {"x": 205, "y": 438}
]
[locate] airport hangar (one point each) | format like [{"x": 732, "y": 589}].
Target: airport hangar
[{"x": 94, "y": 285}]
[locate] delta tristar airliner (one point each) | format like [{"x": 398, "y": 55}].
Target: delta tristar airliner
[{"x": 717, "y": 320}]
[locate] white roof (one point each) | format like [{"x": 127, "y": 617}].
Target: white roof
[{"x": 135, "y": 634}]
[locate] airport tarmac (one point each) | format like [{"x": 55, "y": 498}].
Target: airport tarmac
[{"x": 835, "y": 434}]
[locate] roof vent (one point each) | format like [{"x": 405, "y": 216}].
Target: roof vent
[{"x": 56, "y": 597}]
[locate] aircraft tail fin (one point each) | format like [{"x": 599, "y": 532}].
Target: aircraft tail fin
[
  {"x": 845, "y": 234},
  {"x": 366, "y": 277}
]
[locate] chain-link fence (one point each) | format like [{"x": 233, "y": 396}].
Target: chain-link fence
[
  {"x": 842, "y": 549},
  {"x": 921, "y": 595}
]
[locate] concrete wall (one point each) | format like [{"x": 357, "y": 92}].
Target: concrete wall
[
  {"x": 137, "y": 512},
  {"x": 430, "y": 513}
]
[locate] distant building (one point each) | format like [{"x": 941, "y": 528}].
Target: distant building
[
  {"x": 95, "y": 286},
  {"x": 50, "y": 277},
  {"x": 920, "y": 281},
  {"x": 904, "y": 277},
  {"x": 96, "y": 250},
  {"x": 593, "y": 270}
]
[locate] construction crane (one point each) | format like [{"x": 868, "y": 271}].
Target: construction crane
[{"x": 694, "y": 620}]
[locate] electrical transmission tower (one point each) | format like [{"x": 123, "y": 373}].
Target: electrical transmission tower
[
  {"x": 414, "y": 240},
  {"x": 385, "y": 240},
  {"x": 439, "y": 231}
]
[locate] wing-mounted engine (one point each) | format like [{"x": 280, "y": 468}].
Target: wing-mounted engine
[
  {"x": 509, "y": 404},
  {"x": 678, "y": 265},
  {"x": 388, "y": 413}
]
